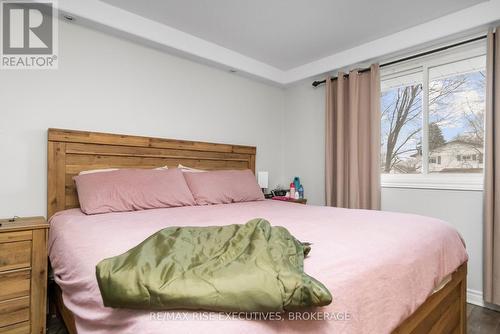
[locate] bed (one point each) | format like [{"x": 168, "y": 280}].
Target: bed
[{"x": 387, "y": 272}]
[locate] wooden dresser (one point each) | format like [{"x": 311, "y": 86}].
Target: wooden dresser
[{"x": 23, "y": 275}]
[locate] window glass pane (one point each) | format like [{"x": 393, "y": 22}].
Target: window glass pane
[
  {"x": 456, "y": 116},
  {"x": 401, "y": 128}
]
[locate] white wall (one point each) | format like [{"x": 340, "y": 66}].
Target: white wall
[
  {"x": 305, "y": 139},
  {"x": 304, "y": 156},
  {"x": 463, "y": 209},
  {"x": 107, "y": 84}
]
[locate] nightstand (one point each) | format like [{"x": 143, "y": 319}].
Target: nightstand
[
  {"x": 23, "y": 275},
  {"x": 300, "y": 201},
  {"x": 284, "y": 199}
]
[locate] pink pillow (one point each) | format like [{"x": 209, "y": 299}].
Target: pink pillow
[
  {"x": 132, "y": 189},
  {"x": 224, "y": 186}
]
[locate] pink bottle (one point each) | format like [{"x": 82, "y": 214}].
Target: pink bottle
[{"x": 292, "y": 190}]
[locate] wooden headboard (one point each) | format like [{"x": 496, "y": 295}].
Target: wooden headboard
[{"x": 70, "y": 152}]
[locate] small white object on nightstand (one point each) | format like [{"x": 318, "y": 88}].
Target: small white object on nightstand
[{"x": 263, "y": 179}]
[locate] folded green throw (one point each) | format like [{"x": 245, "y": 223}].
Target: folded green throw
[{"x": 253, "y": 267}]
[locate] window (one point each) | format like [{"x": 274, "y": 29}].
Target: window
[{"x": 432, "y": 125}]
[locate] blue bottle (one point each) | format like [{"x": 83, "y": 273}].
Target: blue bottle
[
  {"x": 301, "y": 191},
  {"x": 296, "y": 182}
]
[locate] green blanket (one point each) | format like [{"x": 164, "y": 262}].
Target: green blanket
[{"x": 247, "y": 268}]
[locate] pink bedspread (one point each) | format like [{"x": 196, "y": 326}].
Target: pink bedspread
[{"x": 379, "y": 266}]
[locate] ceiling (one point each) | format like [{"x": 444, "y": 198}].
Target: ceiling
[
  {"x": 289, "y": 33},
  {"x": 286, "y": 41}
]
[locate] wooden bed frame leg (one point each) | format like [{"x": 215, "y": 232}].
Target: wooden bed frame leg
[{"x": 463, "y": 306}]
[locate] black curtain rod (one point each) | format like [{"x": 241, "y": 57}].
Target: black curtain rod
[{"x": 418, "y": 55}]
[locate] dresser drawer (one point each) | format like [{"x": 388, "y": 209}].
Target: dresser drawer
[
  {"x": 15, "y": 284},
  {"x": 14, "y": 311},
  {"x": 16, "y": 236},
  {"x": 15, "y": 255},
  {"x": 20, "y": 328}
]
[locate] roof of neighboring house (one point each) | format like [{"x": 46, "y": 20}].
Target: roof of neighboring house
[
  {"x": 461, "y": 141},
  {"x": 454, "y": 141}
]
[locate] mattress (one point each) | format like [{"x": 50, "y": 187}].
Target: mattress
[{"x": 379, "y": 266}]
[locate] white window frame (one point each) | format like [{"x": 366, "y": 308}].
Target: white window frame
[{"x": 450, "y": 181}]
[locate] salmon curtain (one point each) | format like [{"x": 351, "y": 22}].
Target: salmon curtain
[
  {"x": 491, "y": 275},
  {"x": 353, "y": 140}
]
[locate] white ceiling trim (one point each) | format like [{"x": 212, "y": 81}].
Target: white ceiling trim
[{"x": 103, "y": 15}]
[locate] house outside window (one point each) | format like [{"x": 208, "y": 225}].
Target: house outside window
[{"x": 432, "y": 126}]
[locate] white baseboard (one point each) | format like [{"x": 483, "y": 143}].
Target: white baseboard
[{"x": 475, "y": 297}]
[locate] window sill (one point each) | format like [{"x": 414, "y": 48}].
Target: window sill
[{"x": 434, "y": 181}]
